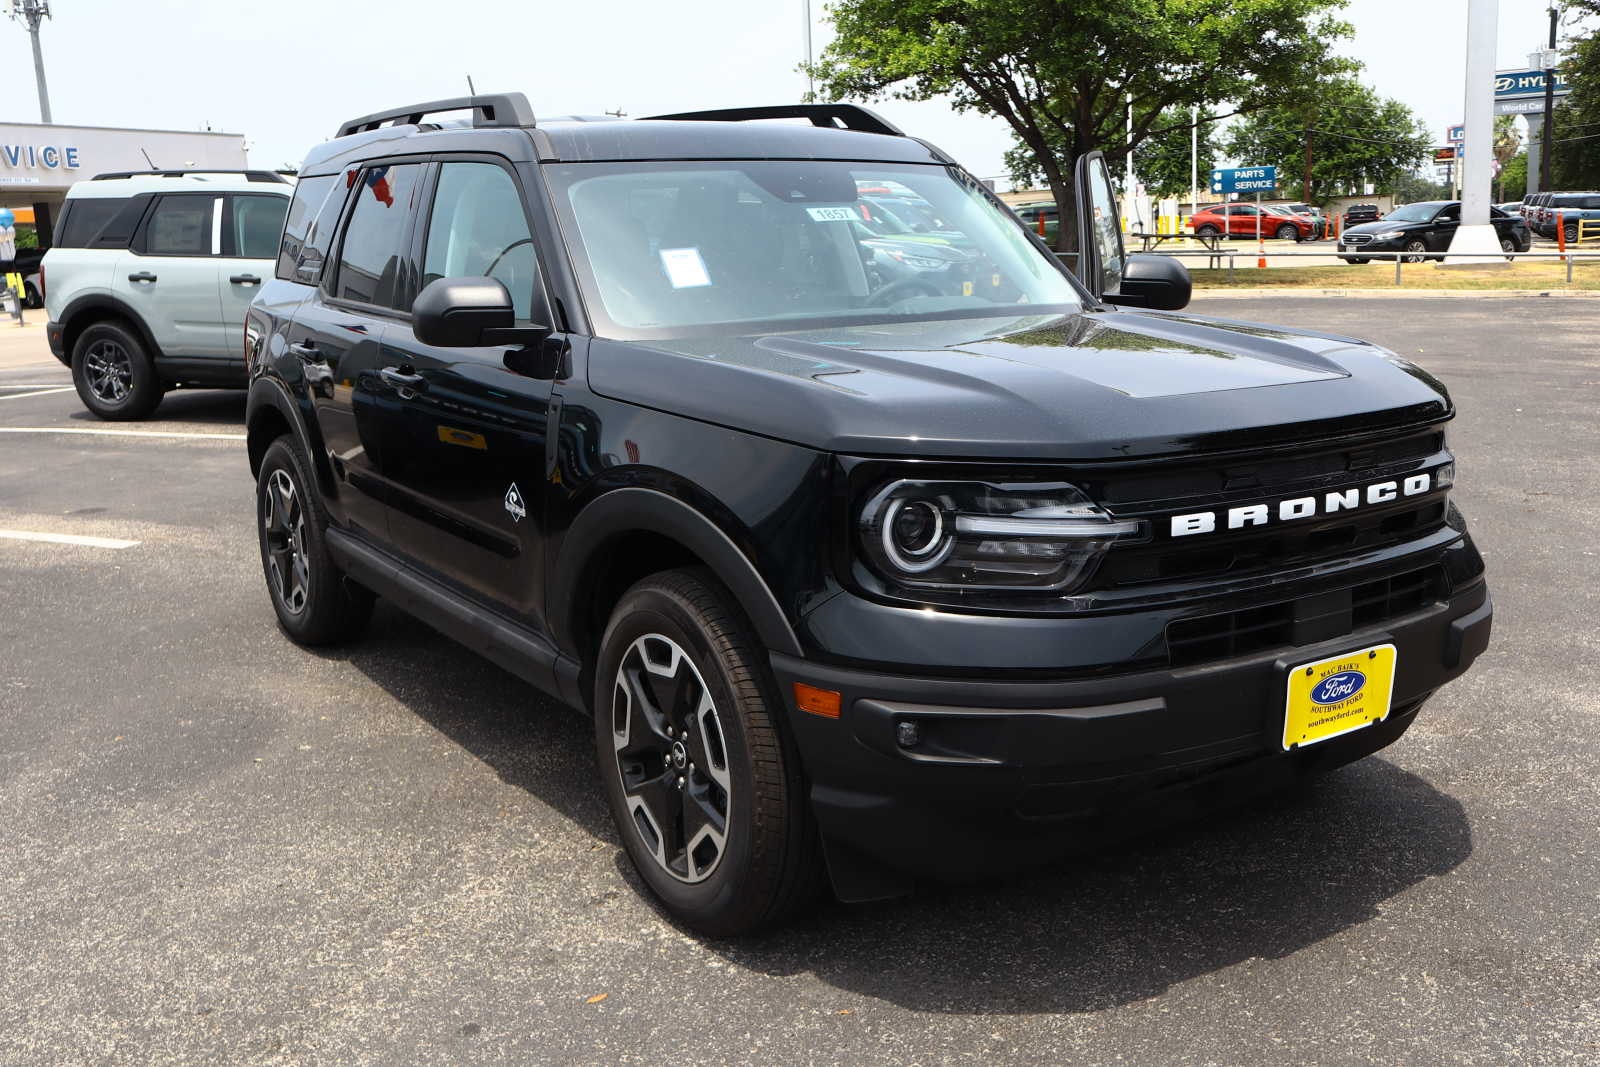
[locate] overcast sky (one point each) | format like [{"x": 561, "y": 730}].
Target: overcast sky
[{"x": 286, "y": 72}]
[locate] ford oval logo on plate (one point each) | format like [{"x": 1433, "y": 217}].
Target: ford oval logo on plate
[{"x": 1338, "y": 687}]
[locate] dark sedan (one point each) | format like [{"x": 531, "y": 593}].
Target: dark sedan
[{"x": 1418, "y": 229}]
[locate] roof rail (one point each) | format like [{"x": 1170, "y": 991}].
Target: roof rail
[
  {"x": 489, "y": 109},
  {"x": 834, "y": 116},
  {"x": 250, "y": 175}
]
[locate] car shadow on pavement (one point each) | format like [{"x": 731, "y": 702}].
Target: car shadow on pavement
[
  {"x": 532, "y": 741},
  {"x": 1128, "y": 921},
  {"x": 1117, "y": 923},
  {"x": 219, "y": 407}
]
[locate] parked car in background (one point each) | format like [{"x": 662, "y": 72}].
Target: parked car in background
[
  {"x": 1418, "y": 229},
  {"x": 1357, "y": 214},
  {"x": 1036, "y": 211},
  {"x": 1318, "y": 224},
  {"x": 1242, "y": 220},
  {"x": 1533, "y": 209},
  {"x": 149, "y": 279},
  {"x": 1511, "y": 208},
  {"x": 1564, "y": 211}
]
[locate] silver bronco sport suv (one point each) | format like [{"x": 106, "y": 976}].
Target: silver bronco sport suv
[{"x": 149, "y": 279}]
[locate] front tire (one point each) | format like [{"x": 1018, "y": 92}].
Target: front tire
[
  {"x": 702, "y": 781},
  {"x": 314, "y": 602},
  {"x": 1414, "y": 249},
  {"x": 1356, "y": 259},
  {"x": 113, "y": 373}
]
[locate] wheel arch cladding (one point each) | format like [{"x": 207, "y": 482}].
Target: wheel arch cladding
[
  {"x": 629, "y": 533},
  {"x": 92, "y": 310}
]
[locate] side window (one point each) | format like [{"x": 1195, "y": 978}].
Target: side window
[
  {"x": 182, "y": 226},
  {"x": 257, "y": 225},
  {"x": 85, "y": 218},
  {"x": 1449, "y": 214},
  {"x": 373, "y": 250},
  {"x": 309, "y": 195},
  {"x": 478, "y": 228}
]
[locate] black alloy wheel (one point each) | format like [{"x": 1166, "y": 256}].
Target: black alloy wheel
[
  {"x": 313, "y": 600},
  {"x": 700, "y": 772},
  {"x": 113, "y": 374}
]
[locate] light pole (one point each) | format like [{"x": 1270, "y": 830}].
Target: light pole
[
  {"x": 30, "y": 13},
  {"x": 1550, "y": 59}
]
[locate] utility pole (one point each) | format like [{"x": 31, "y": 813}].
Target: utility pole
[
  {"x": 811, "y": 82},
  {"x": 30, "y": 13},
  {"x": 1549, "y": 104}
]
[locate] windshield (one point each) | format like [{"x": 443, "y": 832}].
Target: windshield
[
  {"x": 672, "y": 249},
  {"x": 1413, "y": 213}
]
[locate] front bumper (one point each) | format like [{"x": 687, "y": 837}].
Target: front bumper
[{"x": 1005, "y": 772}]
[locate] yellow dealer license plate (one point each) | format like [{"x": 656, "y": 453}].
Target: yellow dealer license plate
[{"x": 1336, "y": 695}]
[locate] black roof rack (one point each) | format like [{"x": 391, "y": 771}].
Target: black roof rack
[
  {"x": 848, "y": 116},
  {"x": 250, "y": 175},
  {"x": 489, "y": 109}
]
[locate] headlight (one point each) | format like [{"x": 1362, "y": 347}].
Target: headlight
[{"x": 1043, "y": 537}]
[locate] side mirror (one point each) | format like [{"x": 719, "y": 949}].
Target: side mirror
[
  {"x": 469, "y": 313},
  {"x": 1159, "y": 283},
  {"x": 1100, "y": 252}
]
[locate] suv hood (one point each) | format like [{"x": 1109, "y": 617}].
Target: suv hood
[{"x": 1095, "y": 385}]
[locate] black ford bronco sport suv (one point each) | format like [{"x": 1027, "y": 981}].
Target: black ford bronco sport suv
[{"x": 874, "y": 549}]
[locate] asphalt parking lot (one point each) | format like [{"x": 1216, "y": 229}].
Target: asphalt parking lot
[{"x": 218, "y": 848}]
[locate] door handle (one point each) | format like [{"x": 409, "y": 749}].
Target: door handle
[
  {"x": 245, "y": 279},
  {"x": 403, "y": 380},
  {"x": 142, "y": 276},
  {"x": 307, "y": 351}
]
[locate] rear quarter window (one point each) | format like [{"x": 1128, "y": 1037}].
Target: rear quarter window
[
  {"x": 305, "y": 241},
  {"x": 99, "y": 222}
]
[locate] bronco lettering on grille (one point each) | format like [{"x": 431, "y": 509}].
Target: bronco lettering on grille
[{"x": 1302, "y": 507}]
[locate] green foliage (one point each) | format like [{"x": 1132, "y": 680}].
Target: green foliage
[
  {"x": 1512, "y": 185},
  {"x": 1161, "y": 162},
  {"x": 1060, "y": 71},
  {"x": 1411, "y": 187},
  {"x": 1355, "y": 137},
  {"x": 1575, "y": 142}
]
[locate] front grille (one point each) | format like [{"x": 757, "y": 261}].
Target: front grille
[
  {"x": 1357, "y": 238},
  {"x": 1215, "y": 486},
  {"x": 1304, "y": 620}
]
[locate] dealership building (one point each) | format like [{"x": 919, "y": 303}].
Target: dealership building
[{"x": 38, "y": 164}]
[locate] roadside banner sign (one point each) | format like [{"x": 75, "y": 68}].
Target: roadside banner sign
[
  {"x": 1244, "y": 179},
  {"x": 1448, "y": 154}
]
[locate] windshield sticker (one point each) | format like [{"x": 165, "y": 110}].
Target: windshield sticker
[
  {"x": 832, "y": 214},
  {"x": 685, "y": 269}
]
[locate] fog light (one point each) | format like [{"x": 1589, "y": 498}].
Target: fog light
[{"x": 908, "y": 735}]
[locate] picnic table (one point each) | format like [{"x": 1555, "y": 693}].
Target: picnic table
[{"x": 1212, "y": 242}]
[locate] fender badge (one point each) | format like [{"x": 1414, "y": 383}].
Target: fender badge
[{"x": 514, "y": 504}]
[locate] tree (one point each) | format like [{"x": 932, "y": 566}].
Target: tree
[
  {"x": 1507, "y": 143},
  {"x": 1061, "y": 72},
  {"x": 1514, "y": 178},
  {"x": 1161, "y": 162},
  {"x": 1574, "y": 143},
  {"x": 1337, "y": 135},
  {"x": 1411, "y": 187}
]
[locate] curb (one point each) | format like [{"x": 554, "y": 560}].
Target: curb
[{"x": 1400, "y": 294}]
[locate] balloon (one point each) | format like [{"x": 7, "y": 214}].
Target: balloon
[{"x": 7, "y": 218}]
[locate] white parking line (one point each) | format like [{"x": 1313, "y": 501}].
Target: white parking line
[
  {"x": 124, "y": 433},
  {"x": 66, "y": 539},
  {"x": 39, "y": 392}
]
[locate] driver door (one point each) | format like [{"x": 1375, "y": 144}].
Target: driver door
[{"x": 467, "y": 428}]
